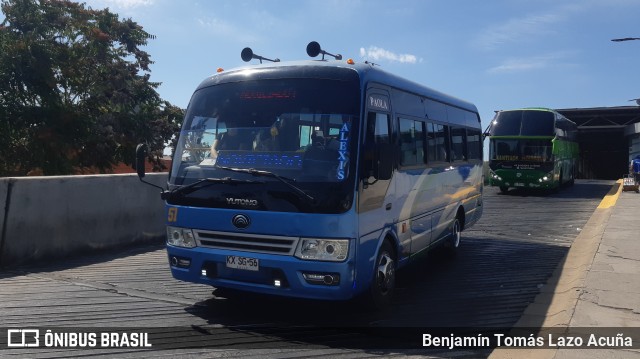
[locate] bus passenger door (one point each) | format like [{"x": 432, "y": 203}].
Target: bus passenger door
[
  {"x": 376, "y": 165},
  {"x": 376, "y": 162}
]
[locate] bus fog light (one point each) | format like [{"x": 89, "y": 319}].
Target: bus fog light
[
  {"x": 312, "y": 277},
  {"x": 322, "y": 278},
  {"x": 184, "y": 263},
  {"x": 180, "y": 262},
  {"x": 180, "y": 237},
  {"x": 335, "y": 250}
]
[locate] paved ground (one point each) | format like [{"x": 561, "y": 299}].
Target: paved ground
[
  {"x": 503, "y": 277},
  {"x": 596, "y": 290}
]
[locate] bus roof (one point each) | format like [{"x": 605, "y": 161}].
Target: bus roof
[
  {"x": 541, "y": 109},
  {"x": 530, "y": 109},
  {"x": 365, "y": 72}
]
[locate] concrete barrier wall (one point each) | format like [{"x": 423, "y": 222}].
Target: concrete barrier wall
[
  {"x": 51, "y": 217},
  {"x": 4, "y": 185}
]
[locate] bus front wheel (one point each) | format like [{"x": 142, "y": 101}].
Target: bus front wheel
[
  {"x": 384, "y": 277},
  {"x": 504, "y": 189}
]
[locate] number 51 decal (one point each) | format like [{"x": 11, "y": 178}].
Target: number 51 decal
[{"x": 172, "y": 215}]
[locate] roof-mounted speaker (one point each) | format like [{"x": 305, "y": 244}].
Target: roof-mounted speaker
[
  {"x": 314, "y": 49},
  {"x": 248, "y": 55}
]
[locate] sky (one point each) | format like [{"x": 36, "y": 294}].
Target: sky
[{"x": 497, "y": 54}]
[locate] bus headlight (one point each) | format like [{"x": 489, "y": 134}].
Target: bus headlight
[
  {"x": 494, "y": 176},
  {"x": 335, "y": 250},
  {"x": 180, "y": 237},
  {"x": 546, "y": 177}
]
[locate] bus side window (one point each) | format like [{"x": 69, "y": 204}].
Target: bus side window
[
  {"x": 437, "y": 142},
  {"x": 412, "y": 142},
  {"x": 474, "y": 144},
  {"x": 458, "y": 144},
  {"x": 431, "y": 143},
  {"x": 377, "y": 152}
]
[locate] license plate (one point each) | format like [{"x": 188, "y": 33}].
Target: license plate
[
  {"x": 243, "y": 263},
  {"x": 518, "y": 184}
]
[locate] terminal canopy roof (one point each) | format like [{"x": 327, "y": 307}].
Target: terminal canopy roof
[{"x": 602, "y": 117}]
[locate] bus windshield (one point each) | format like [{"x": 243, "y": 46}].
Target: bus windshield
[
  {"x": 300, "y": 130},
  {"x": 523, "y": 123},
  {"x": 530, "y": 150}
]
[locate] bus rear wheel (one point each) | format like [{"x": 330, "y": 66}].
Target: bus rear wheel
[{"x": 453, "y": 242}]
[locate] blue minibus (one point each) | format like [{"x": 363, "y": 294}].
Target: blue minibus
[{"x": 318, "y": 179}]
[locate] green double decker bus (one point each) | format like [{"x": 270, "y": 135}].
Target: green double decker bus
[{"x": 532, "y": 148}]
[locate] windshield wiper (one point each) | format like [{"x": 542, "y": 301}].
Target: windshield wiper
[
  {"x": 286, "y": 180},
  {"x": 202, "y": 183}
]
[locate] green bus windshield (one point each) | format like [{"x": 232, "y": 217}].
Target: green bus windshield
[{"x": 523, "y": 123}]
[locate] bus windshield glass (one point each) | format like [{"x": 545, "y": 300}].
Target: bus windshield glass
[
  {"x": 301, "y": 130},
  {"x": 523, "y": 123},
  {"x": 530, "y": 150}
]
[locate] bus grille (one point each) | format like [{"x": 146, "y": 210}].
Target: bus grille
[{"x": 247, "y": 242}]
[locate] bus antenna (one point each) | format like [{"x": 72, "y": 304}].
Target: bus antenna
[
  {"x": 248, "y": 55},
  {"x": 314, "y": 49}
]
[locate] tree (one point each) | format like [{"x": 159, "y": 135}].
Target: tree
[{"x": 75, "y": 89}]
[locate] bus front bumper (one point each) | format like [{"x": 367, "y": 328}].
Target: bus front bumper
[
  {"x": 537, "y": 180},
  {"x": 271, "y": 274}
]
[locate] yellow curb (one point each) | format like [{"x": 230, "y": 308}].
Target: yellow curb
[{"x": 610, "y": 199}]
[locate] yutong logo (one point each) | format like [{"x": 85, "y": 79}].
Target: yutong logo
[
  {"x": 241, "y": 221},
  {"x": 243, "y": 201}
]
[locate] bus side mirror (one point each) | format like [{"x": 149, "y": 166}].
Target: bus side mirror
[{"x": 141, "y": 157}]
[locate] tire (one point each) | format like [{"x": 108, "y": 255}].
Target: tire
[
  {"x": 453, "y": 242},
  {"x": 572, "y": 181},
  {"x": 559, "y": 187},
  {"x": 560, "y": 184},
  {"x": 384, "y": 278},
  {"x": 504, "y": 189}
]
